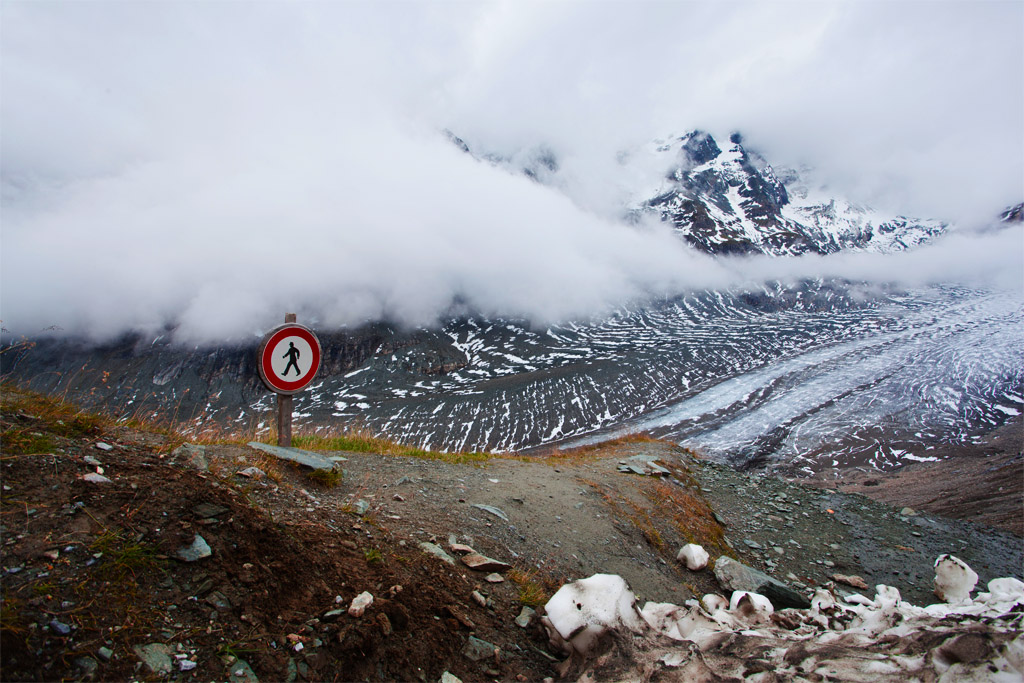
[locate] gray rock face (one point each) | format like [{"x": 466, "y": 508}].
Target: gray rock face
[
  {"x": 156, "y": 657},
  {"x": 736, "y": 576},
  {"x": 307, "y": 458},
  {"x": 195, "y": 552},
  {"x": 193, "y": 455}
]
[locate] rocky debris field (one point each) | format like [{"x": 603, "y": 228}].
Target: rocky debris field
[{"x": 126, "y": 555}]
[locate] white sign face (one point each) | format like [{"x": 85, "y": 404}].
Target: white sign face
[{"x": 292, "y": 359}]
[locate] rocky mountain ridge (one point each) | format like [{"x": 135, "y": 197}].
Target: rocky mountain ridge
[{"x": 728, "y": 199}]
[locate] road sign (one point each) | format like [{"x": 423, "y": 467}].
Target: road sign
[{"x": 289, "y": 358}]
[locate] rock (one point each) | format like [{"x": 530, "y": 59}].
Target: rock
[
  {"x": 94, "y": 478},
  {"x": 693, "y": 556},
  {"x": 478, "y": 598},
  {"x": 186, "y": 664},
  {"x": 194, "y": 455},
  {"x": 307, "y": 458},
  {"x": 436, "y": 551},
  {"x": 494, "y": 578},
  {"x": 736, "y": 576},
  {"x": 241, "y": 672},
  {"x": 218, "y": 600},
  {"x": 484, "y": 564},
  {"x": 753, "y": 544},
  {"x": 497, "y": 512},
  {"x": 156, "y": 657},
  {"x": 954, "y": 580},
  {"x": 103, "y": 446},
  {"x": 449, "y": 678},
  {"x": 460, "y": 548},
  {"x": 360, "y": 603},
  {"x": 252, "y": 473},
  {"x": 105, "y": 653},
  {"x": 525, "y": 617},
  {"x": 60, "y": 628},
  {"x": 207, "y": 510},
  {"x": 908, "y": 512},
  {"x": 478, "y": 650},
  {"x": 195, "y": 552},
  {"x": 361, "y": 507},
  {"x": 855, "y": 581},
  {"x": 87, "y": 666},
  {"x": 332, "y": 615},
  {"x": 89, "y": 460}
]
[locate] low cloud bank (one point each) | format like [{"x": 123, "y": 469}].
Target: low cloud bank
[{"x": 210, "y": 169}]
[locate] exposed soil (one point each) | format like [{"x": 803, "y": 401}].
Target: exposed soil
[{"x": 92, "y": 565}]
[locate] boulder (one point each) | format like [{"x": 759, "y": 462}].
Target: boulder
[{"x": 736, "y": 576}]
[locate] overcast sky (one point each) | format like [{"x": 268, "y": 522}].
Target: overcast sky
[{"x": 216, "y": 164}]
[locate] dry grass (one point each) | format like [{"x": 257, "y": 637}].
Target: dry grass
[
  {"x": 535, "y": 586},
  {"x": 363, "y": 441},
  {"x": 29, "y": 421}
]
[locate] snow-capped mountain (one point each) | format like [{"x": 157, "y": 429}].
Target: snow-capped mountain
[{"x": 732, "y": 201}]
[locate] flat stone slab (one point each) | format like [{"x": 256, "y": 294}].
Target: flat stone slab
[
  {"x": 482, "y": 563},
  {"x": 307, "y": 458}
]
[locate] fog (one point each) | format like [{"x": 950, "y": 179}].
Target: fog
[{"x": 212, "y": 166}]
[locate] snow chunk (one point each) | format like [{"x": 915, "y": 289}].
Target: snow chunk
[
  {"x": 954, "y": 580},
  {"x": 583, "y": 611},
  {"x": 693, "y": 556}
]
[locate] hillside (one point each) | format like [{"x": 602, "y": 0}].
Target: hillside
[{"x": 92, "y": 584}]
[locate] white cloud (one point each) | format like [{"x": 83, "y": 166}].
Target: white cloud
[{"x": 216, "y": 164}]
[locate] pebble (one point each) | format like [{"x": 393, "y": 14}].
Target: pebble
[
  {"x": 360, "y": 603},
  {"x": 104, "y": 446}
]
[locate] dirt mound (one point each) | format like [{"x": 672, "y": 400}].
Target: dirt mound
[{"x": 91, "y": 573}]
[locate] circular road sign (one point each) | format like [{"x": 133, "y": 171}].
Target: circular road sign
[{"x": 289, "y": 358}]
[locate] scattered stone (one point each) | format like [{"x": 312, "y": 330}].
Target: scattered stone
[
  {"x": 908, "y": 512},
  {"x": 307, "y": 458},
  {"x": 186, "y": 664},
  {"x": 460, "y": 548},
  {"x": 450, "y": 678},
  {"x": 87, "y": 666},
  {"x": 437, "y": 551},
  {"x": 207, "y": 510},
  {"x": 460, "y": 617},
  {"x": 156, "y": 657},
  {"x": 753, "y": 544},
  {"x": 478, "y": 598},
  {"x": 855, "y": 581},
  {"x": 478, "y": 650},
  {"x": 194, "y": 455},
  {"x": 60, "y": 628},
  {"x": 693, "y": 556},
  {"x": 525, "y": 617},
  {"x": 360, "y": 603},
  {"x": 497, "y": 512},
  {"x": 241, "y": 672},
  {"x": 218, "y": 600},
  {"x": 398, "y": 497},
  {"x": 103, "y": 446},
  {"x": 736, "y": 576},
  {"x": 195, "y": 552},
  {"x": 90, "y": 460},
  {"x": 494, "y": 578},
  {"x": 484, "y": 564},
  {"x": 252, "y": 473},
  {"x": 105, "y": 653},
  {"x": 361, "y": 507},
  {"x": 94, "y": 478}
]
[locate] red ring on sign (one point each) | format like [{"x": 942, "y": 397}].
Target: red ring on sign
[{"x": 266, "y": 368}]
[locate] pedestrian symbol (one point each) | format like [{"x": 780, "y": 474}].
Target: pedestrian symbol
[{"x": 293, "y": 360}]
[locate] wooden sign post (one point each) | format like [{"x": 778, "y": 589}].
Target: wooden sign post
[{"x": 289, "y": 360}]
